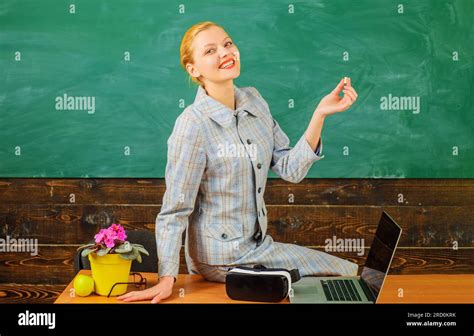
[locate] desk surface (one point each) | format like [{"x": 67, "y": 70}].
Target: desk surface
[{"x": 432, "y": 288}]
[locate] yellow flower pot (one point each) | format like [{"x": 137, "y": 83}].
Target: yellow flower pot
[{"x": 108, "y": 270}]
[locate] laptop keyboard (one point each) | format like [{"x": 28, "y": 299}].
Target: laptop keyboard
[{"x": 340, "y": 290}]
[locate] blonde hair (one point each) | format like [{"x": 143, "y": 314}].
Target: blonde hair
[{"x": 186, "y": 51}]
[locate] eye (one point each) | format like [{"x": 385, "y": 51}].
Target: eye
[{"x": 207, "y": 52}]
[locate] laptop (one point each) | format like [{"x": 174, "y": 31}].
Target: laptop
[{"x": 354, "y": 289}]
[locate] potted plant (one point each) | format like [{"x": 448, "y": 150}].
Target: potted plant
[{"x": 111, "y": 258}]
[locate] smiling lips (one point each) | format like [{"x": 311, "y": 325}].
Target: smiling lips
[{"x": 227, "y": 64}]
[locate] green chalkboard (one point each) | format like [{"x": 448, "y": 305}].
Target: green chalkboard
[{"x": 410, "y": 61}]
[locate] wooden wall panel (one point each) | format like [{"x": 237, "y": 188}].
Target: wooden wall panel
[
  {"x": 435, "y": 216},
  {"x": 54, "y": 264},
  {"x": 308, "y": 225}
]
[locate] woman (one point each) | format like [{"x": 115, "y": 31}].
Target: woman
[{"x": 216, "y": 192}]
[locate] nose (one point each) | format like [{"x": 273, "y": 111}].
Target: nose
[
  {"x": 224, "y": 55},
  {"x": 224, "y": 52}
]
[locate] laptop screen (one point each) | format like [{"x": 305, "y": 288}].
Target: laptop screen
[{"x": 381, "y": 253}]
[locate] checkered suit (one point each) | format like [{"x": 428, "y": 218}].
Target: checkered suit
[{"x": 218, "y": 161}]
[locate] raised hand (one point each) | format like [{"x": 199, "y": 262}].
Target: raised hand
[{"x": 333, "y": 103}]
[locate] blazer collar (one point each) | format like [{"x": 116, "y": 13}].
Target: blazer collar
[{"x": 221, "y": 113}]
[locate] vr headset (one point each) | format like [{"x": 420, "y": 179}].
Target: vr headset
[{"x": 259, "y": 283}]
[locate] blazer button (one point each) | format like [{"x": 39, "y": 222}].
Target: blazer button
[
  {"x": 224, "y": 236},
  {"x": 248, "y": 141},
  {"x": 259, "y": 165},
  {"x": 259, "y": 190}
]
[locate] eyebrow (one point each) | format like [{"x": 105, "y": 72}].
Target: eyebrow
[{"x": 214, "y": 43}]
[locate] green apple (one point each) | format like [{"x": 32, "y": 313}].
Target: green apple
[{"x": 83, "y": 285}]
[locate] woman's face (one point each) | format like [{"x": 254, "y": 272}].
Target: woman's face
[{"x": 212, "y": 49}]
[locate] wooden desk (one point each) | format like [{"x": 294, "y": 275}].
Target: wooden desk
[
  {"x": 429, "y": 288},
  {"x": 436, "y": 288},
  {"x": 187, "y": 289}
]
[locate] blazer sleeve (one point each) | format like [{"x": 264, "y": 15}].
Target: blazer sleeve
[
  {"x": 184, "y": 170},
  {"x": 290, "y": 163}
]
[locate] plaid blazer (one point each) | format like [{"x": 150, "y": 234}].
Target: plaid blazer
[{"x": 218, "y": 161}]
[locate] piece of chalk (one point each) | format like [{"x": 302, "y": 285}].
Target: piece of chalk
[{"x": 345, "y": 80}]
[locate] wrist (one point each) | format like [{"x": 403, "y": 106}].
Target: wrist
[
  {"x": 319, "y": 114},
  {"x": 167, "y": 279}
]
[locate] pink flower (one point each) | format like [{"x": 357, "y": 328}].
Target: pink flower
[
  {"x": 100, "y": 236},
  {"x": 121, "y": 236},
  {"x": 119, "y": 232},
  {"x": 110, "y": 235},
  {"x": 109, "y": 243},
  {"x": 115, "y": 227}
]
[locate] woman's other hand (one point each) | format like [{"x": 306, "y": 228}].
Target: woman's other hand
[{"x": 156, "y": 293}]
